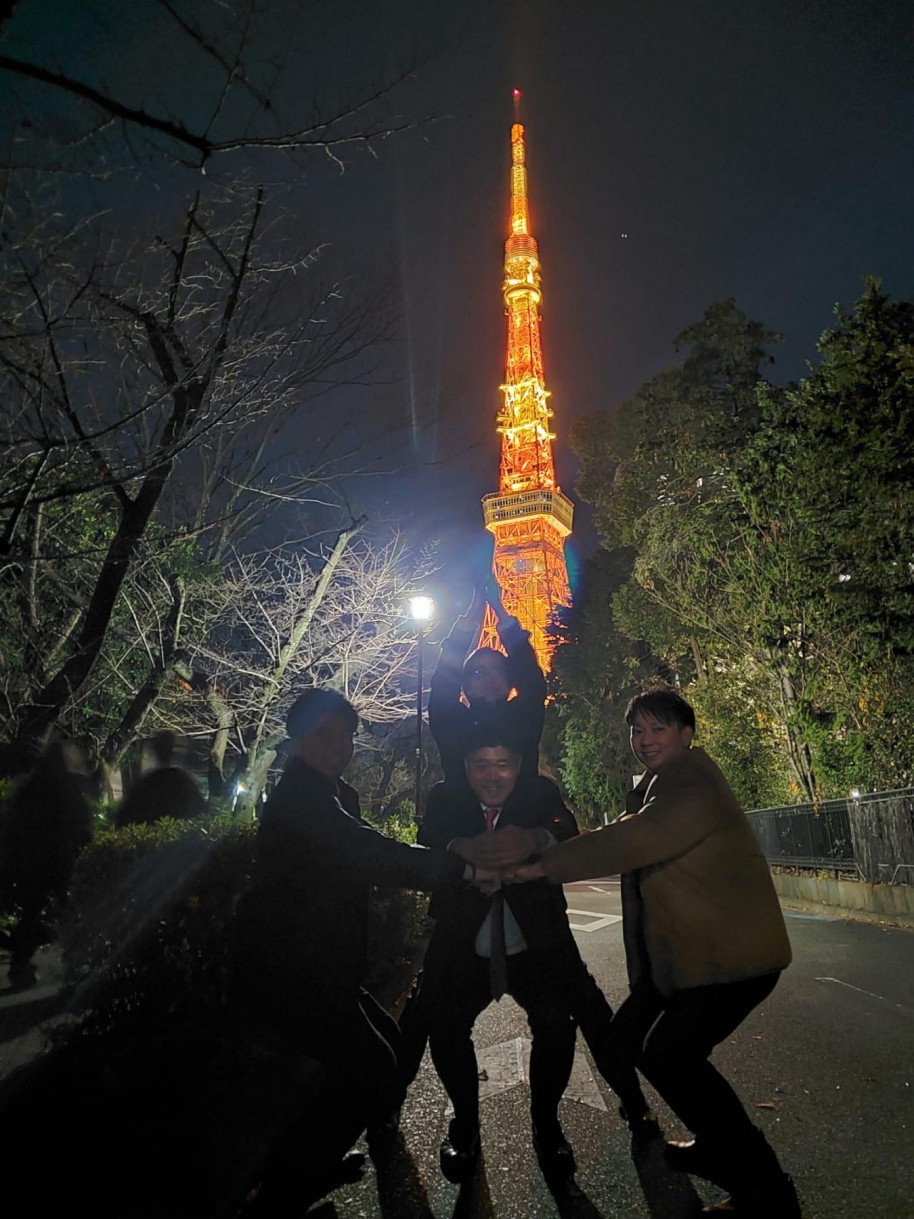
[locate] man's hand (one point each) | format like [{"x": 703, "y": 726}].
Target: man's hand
[
  {"x": 493, "y": 596},
  {"x": 498, "y": 848},
  {"x": 487, "y": 880},
  {"x": 468, "y": 849},
  {"x": 522, "y": 872},
  {"x": 472, "y": 615}
]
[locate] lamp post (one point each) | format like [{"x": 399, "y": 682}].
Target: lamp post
[{"x": 421, "y": 609}]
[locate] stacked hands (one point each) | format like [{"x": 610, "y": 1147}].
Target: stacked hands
[{"x": 505, "y": 856}]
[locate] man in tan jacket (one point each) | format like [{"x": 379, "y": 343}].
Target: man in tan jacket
[{"x": 705, "y": 943}]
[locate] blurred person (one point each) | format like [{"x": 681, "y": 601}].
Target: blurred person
[
  {"x": 166, "y": 791},
  {"x": 46, "y": 823}
]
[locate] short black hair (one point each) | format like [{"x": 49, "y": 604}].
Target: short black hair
[
  {"x": 312, "y": 706},
  {"x": 663, "y": 703},
  {"x": 488, "y": 733}
]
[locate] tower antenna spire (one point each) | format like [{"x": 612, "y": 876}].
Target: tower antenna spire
[{"x": 528, "y": 515}]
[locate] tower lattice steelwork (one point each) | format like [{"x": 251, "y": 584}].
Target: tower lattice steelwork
[{"x": 528, "y": 516}]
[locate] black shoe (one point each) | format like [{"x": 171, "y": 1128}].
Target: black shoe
[
  {"x": 349, "y": 1168},
  {"x": 694, "y": 1158},
  {"x": 458, "y": 1155},
  {"x": 776, "y": 1199},
  {"x": 346, "y": 1172},
  {"x": 381, "y": 1136},
  {"x": 556, "y": 1159},
  {"x": 644, "y": 1128},
  {"x": 281, "y": 1194}
]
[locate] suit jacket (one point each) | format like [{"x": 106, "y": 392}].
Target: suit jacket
[
  {"x": 452, "y": 722},
  {"x": 708, "y": 909},
  {"x": 459, "y": 909},
  {"x": 302, "y": 925}
]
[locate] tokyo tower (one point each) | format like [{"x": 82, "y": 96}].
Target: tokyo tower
[{"x": 528, "y": 516}]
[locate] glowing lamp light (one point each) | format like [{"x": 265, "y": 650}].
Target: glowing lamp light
[
  {"x": 855, "y": 793},
  {"x": 421, "y": 608}
]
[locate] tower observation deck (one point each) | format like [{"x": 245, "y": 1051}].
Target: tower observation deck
[{"x": 528, "y": 516}]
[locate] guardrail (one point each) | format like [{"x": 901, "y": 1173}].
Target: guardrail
[{"x": 870, "y": 835}]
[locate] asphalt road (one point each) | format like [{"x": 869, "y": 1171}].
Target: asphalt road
[{"x": 826, "y": 1065}]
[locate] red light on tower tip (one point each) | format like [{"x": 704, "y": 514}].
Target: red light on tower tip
[{"x": 515, "y": 93}]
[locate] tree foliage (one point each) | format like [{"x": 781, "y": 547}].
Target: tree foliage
[
  {"x": 771, "y": 541},
  {"x": 168, "y": 329}
]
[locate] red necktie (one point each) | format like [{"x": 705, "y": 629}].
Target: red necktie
[{"x": 498, "y": 958}]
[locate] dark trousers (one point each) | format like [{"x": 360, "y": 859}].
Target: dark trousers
[
  {"x": 357, "y": 1049},
  {"x": 463, "y": 994},
  {"x": 589, "y": 1008},
  {"x": 612, "y": 1057},
  {"x": 670, "y": 1040},
  {"x": 357, "y": 1084}
]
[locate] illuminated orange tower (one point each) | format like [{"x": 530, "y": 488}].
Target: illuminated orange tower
[{"x": 528, "y": 516}]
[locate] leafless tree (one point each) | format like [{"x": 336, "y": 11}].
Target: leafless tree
[
  {"x": 334, "y": 615},
  {"x": 122, "y": 374},
  {"x": 164, "y": 323},
  {"x": 210, "y": 78}
]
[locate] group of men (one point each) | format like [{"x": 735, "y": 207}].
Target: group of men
[{"x": 704, "y": 936}]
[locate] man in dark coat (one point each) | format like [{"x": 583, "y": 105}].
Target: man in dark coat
[
  {"x": 518, "y": 942},
  {"x": 301, "y": 928},
  {"x": 486, "y": 679}
]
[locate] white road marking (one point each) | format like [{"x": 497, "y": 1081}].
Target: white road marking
[
  {"x": 596, "y": 922},
  {"x": 507, "y": 1064},
  {"x": 861, "y": 991}
]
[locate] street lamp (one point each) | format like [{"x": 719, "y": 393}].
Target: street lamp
[{"x": 421, "y": 609}]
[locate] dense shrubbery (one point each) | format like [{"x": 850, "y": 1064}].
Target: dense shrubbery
[
  {"x": 148, "y": 928},
  {"x": 147, "y": 935},
  {"x": 188, "y": 1107}
]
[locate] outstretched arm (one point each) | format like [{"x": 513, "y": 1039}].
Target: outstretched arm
[
  {"x": 677, "y": 819},
  {"x": 493, "y": 596},
  {"x": 526, "y": 674},
  {"x": 501, "y": 849},
  {"x": 446, "y": 680}
]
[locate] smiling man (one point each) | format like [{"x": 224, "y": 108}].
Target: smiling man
[
  {"x": 705, "y": 944},
  {"x": 517, "y": 942}
]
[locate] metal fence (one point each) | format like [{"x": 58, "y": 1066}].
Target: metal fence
[{"x": 870, "y": 835}]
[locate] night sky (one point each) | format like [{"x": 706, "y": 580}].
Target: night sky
[{"x": 756, "y": 150}]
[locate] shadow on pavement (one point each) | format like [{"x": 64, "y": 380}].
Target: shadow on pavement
[
  {"x": 474, "y": 1200},
  {"x": 572, "y": 1203},
  {"x": 669, "y": 1194},
  {"x": 401, "y": 1190}
]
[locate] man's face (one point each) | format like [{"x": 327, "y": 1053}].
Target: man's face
[
  {"x": 492, "y": 773},
  {"x": 328, "y": 746},
  {"x": 656, "y": 744},
  {"x": 487, "y": 679}
]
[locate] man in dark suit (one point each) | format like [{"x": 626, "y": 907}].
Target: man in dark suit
[
  {"x": 301, "y": 943},
  {"x": 517, "y": 941}
]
